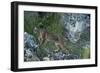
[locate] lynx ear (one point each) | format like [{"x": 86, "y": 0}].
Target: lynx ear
[{"x": 34, "y": 29}]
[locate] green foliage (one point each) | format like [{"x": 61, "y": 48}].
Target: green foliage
[
  {"x": 85, "y": 53},
  {"x": 30, "y": 21},
  {"x": 50, "y": 22}
]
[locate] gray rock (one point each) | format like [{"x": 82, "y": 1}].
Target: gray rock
[{"x": 29, "y": 41}]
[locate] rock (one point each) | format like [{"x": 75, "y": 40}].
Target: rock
[
  {"x": 30, "y": 48},
  {"x": 28, "y": 52},
  {"x": 30, "y": 55},
  {"x": 29, "y": 41},
  {"x": 75, "y": 24},
  {"x": 35, "y": 58},
  {"x": 46, "y": 59}
]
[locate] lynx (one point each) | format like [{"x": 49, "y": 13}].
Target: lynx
[{"x": 44, "y": 37}]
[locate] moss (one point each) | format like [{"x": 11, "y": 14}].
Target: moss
[{"x": 85, "y": 53}]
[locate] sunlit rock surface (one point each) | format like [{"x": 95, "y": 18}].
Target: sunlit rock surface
[
  {"x": 30, "y": 46},
  {"x": 75, "y": 24},
  {"x": 30, "y": 41}
]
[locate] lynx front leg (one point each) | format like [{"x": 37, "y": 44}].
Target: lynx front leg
[
  {"x": 57, "y": 46},
  {"x": 61, "y": 47},
  {"x": 41, "y": 38}
]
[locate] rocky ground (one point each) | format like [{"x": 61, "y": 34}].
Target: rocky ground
[{"x": 32, "y": 51}]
